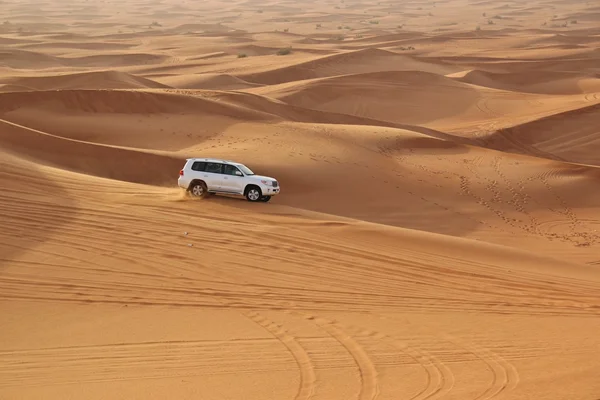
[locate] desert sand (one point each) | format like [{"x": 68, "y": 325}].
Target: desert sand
[{"x": 437, "y": 235}]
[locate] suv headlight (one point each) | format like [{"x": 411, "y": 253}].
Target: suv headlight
[{"x": 268, "y": 183}]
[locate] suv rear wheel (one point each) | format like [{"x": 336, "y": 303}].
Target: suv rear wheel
[
  {"x": 253, "y": 193},
  {"x": 198, "y": 189}
]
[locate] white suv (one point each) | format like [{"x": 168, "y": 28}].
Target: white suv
[{"x": 203, "y": 176}]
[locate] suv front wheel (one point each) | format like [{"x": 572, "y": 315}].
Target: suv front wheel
[{"x": 253, "y": 193}]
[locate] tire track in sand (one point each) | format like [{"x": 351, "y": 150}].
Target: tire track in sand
[
  {"x": 306, "y": 388},
  {"x": 505, "y": 376},
  {"x": 440, "y": 379},
  {"x": 369, "y": 385}
]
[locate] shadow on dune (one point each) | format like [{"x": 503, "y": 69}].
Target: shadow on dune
[
  {"x": 570, "y": 136},
  {"x": 88, "y": 158},
  {"x": 33, "y": 207}
]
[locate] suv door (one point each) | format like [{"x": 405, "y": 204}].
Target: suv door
[
  {"x": 233, "y": 179},
  {"x": 213, "y": 176}
]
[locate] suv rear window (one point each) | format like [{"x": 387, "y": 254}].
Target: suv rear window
[{"x": 198, "y": 166}]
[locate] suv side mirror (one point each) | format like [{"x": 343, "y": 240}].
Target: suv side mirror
[{"x": 238, "y": 173}]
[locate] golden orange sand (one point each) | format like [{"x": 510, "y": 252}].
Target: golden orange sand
[{"x": 437, "y": 235}]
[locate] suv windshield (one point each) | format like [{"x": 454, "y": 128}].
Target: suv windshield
[{"x": 245, "y": 170}]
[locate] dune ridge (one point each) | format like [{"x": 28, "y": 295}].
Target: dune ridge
[
  {"x": 533, "y": 82},
  {"x": 85, "y": 80},
  {"x": 349, "y": 62},
  {"x": 548, "y": 138}
]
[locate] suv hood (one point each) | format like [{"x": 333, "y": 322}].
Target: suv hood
[{"x": 262, "y": 177}]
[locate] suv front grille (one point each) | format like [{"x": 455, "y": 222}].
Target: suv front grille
[{"x": 275, "y": 184}]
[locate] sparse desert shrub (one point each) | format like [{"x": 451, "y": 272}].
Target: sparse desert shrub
[
  {"x": 484, "y": 15},
  {"x": 155, "y": 23},
  {"x": 285, "y": 51},
  {"x": 498, "y": 17},
  {"x": 286, "y": 30},
  {"x": 490, "y": 22},
  {"x": 242, "y": 55},
  {"x": 374, "y": 22},
  {"x": 478, "y": 28},
  {"x": 574, "y": 21},
  {"x": 340, "y": 27},
  {"x": 318, "y": 26},
  {"x": 339, "y": 37}
]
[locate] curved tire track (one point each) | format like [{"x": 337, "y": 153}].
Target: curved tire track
[
  {"x": 440, "y": 379},
  {"x": 505, "y": 376},
  {"x": 369, "y": 385},
  {"x": 306, "y": 388}
]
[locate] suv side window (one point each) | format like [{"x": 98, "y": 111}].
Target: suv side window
[
  {"x": 214, "y": 168},
  {"x": 198, "y": 166},
  {"x": 230, "y": 170}
]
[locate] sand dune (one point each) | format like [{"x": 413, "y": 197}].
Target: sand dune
[
  {"x": 21, "y": 59},
  {"x": 392, "y": 96},
  {"x": 398, "y": 97},
  {"x": 206, "y": 81},
  {"x": 533, "y": 82},
  {"x": 436, "y": 236},
  {"x": 353, "y": 62},
  {"x": 120, "y": 102},
  {"x": 85, "y": 80},
  {"x": 148, "y": 120},
  {"x": 87, "y": 158},
  {"x": 570, "y": 136}
]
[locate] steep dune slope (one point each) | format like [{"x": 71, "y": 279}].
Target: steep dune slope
[
  {"x": 572, "y": 136},
  {"x": 88, "y": 158}
]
